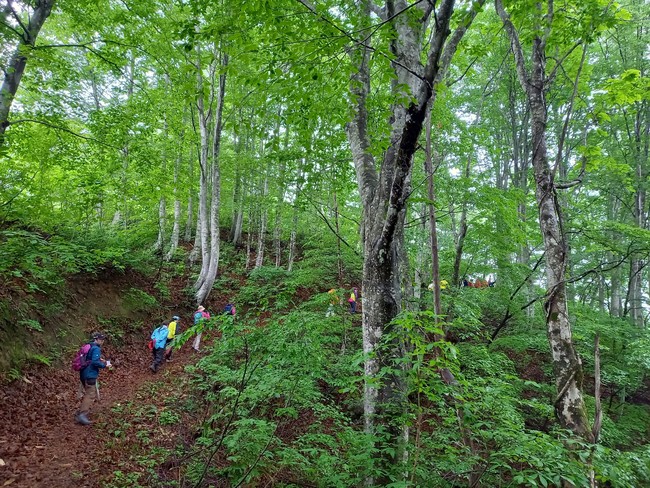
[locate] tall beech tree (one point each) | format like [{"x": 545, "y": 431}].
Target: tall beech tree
[
  {"x": 535, "y": 80},
  {"x": 417, "y": 31}
]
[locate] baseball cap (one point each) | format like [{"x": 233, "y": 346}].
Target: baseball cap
[
  {"x": 176, "y": 317},
  {"x": 97, "y": 335}
]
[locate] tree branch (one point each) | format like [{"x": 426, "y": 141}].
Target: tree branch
[
  {"x": 13, "y": 29},
  {"x": 454, "y": 40},
  {"x": 64, "y": 129},
  {"x": 515, "y": 43},
  {"x": 27, "y": 36}
]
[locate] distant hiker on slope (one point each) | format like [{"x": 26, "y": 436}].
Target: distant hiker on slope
[
  {"x": 90, "y": 365},
  {"x": 171, "y": 334},
  {"x": 353, "y": 300},
  {"x": 159, "y": 338},
  {"x": 199, "y": 316},
  {"x": 229, "y": 309},
  {"x": 334, "y": 302}
]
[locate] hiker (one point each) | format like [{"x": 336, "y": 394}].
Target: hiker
[
  {"x": 171, "y": 334},
  {"x": 353, "y": 301},
  {"x": 199, "y": 316},
  {"x": 88, "y": 376},
  {"x": 229, "y": 309},
  {"x": 159, "y": 336},
  {"x": 334, "y": 302},
  {"x": 443, "y": 285}
]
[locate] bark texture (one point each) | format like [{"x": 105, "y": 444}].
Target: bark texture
[
  {"x": 384, "y": 193},
  {"x": 569, "y": 403},
  {"x": 14, "y": 70}
]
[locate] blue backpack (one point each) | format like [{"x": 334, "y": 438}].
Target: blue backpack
[{"x": 229, "y": 309}]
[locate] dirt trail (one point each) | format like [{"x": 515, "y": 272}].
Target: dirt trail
[{"x": 42, "y": 446}]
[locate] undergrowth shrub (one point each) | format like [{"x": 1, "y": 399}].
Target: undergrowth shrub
[{"x": 274, "y": 390}]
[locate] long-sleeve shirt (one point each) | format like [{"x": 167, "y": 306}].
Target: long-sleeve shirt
[
  {"x": 159, "y": 335},
  {"x": 171, "y": 330},
  {"x": 91, "y": 371}
]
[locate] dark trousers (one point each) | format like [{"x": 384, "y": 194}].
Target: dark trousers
[
  {"x": 158, "y": 356},
  {"x": 353, "y": 307}
]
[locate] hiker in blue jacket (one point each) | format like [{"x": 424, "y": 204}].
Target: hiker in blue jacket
[
  {"x": 159, "y": 336},
  {"x": 88, "y": 376}
]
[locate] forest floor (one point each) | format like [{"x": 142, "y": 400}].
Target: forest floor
[
  {"x": 40, "y": 443},
  {"x": 42, "y": 446}
]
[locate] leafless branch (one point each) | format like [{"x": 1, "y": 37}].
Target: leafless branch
[{"x": 559, "y": 63}]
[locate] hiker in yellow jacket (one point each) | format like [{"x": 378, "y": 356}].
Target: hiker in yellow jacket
[
  {"x": 353, "y": 300},
  {"x": 171, "y": 334}
]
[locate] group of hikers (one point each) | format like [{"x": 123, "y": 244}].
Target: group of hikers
[
  {"x": 88, "y": 360},
  {"x": 478, "y": 283}
]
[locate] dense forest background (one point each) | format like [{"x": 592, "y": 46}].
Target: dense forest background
[{"x": 267, "y": 152}]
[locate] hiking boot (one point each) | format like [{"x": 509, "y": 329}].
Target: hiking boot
[
  {"x": 82, "y": 419},
  {"x": 153, "y": 369}
]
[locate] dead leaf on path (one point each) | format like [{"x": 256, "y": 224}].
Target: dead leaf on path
[
  {"x": 68, "y": 465},
  {"x": 9, "y": 481},
  {"x": 2, "y": 462},
  {"x": 26, "y": 380}
]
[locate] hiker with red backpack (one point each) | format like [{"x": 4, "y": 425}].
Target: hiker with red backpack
[
  {"x": 88, "y": 362},
  {"x": 159, "y": 338}
]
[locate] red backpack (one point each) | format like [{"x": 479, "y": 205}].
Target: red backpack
[{"x": 80, "y": 360}]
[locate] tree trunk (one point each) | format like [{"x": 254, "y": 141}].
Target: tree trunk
[
  {"x": 203, "y": 226},
  {"x": 159, "y": 246},
  {"x": 634, "y": 292},
  {"x": 259, "y": 259},
  {"x": 238, "y": 198},
  {"x": 383, "y": 196},
  {"x": 569, "y": 405},
  {"x": 294, "y": 220},
  {"x": 433, "y": 231},
  {"x": 339, "y": 257},
  {"x": 196, "y": 248},
  {"x": 190, "y": 199},
  {"x": 162, "y": 222},
  {"x": 13, "y": 72},
  {"x": 176, "y": 228},
  {"x": 461, "y": 233},
  {"x": 637, "y": 264},
  {"x": 215, "y": 239},
  {"x": 249, "y": 237}
]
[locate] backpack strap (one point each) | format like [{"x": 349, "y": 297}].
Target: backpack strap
[{"x": 86, "y": 359}]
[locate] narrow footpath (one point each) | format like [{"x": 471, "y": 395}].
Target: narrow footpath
[{"x": 42, "y": 446}]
